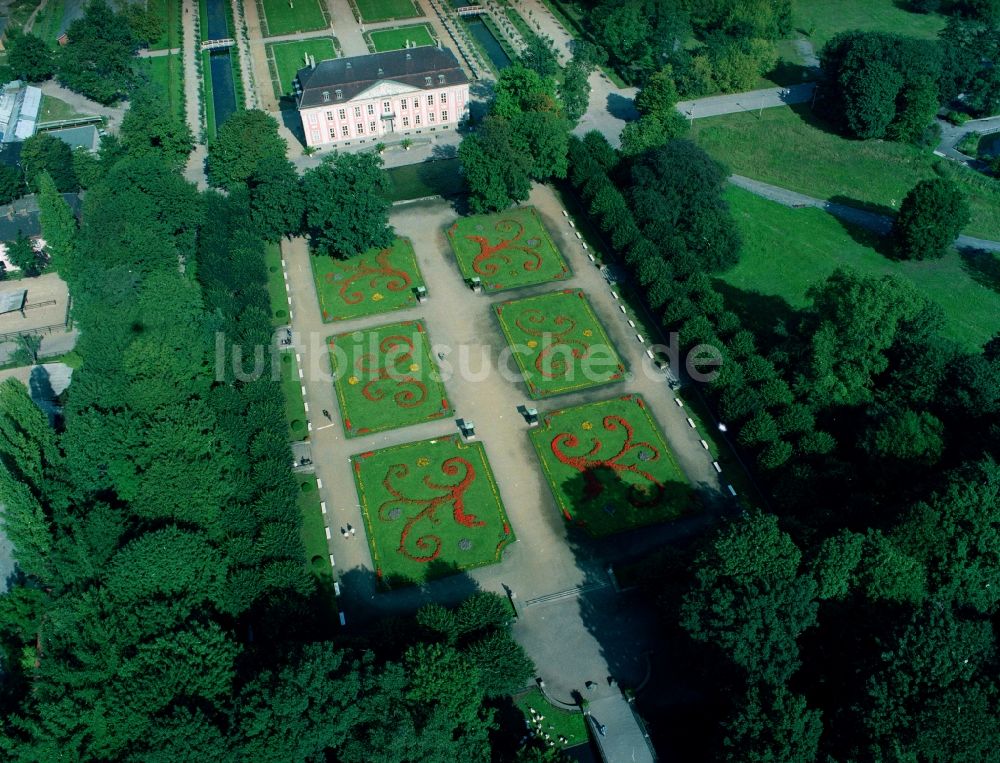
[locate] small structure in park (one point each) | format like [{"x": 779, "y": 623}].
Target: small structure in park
[
  {"x": 380, "y": 95},
  {"x": 19, "y": 107}
]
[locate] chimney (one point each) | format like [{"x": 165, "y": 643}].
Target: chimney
[
  {"x": 312, "y": 61},
  {"x": 380, "y": 71},
  {"x": 408, "y": 56},
  {"x": 347, "y": 65}
]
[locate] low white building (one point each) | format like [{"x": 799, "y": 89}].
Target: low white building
[
  {"x": 395, "y": 94},
  {"x": 19, "y": 107}
]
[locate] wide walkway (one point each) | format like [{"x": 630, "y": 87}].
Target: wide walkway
[
  {"x": 546, "y": 568},
  {"x": 753, "y": 100}
]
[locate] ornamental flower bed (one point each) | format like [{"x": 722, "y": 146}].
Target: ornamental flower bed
[
  {"x": 431, "y": 508},
  {"x": 610, "y": 468},
  {"x": 377, "y": 281},
  {"x": 558, "y": 343},
  {"x": 385, "y": 378},
  {"x": 506, "y": 250}
]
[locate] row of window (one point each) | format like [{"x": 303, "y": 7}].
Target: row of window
[
  {"x": 360, "y": 127},
  {"x": 387, "y": 107}
]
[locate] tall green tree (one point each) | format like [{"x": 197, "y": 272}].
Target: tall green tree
[
  {"x": 930, "y": 218},
  {"x": 44, "y": 153},
  {"x": 148, "y": 128},
  {"x": 346, "y": 210},
  {"x": 97, "y": 60},
  {"x": 242, "y": 142},
  {"x": 57, "y": 220},
  {"x": 22, "y": 254},
  {"x": 496, "y": 166},
  {"x": 28, "y": 56},
  {"x": 277, "y": 203},
  {"x": 752, "y": 599},
  {"x": 772, "y": 725}
]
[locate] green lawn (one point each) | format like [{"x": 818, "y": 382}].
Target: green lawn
[
  {"x": 822, "y": 19},
  {"x": 55, "y": 110},
  {"x": 167, "y": 73},
  {"x": 552, "y": 720},
  {"x": 441, "y": 177},
  {"x": 609, "y": 467},
  {"x": 398, "y": 38},
  {"x": 558, "y": 343},
  {"x": 506, "y": 250},
  {"x": 786, "y": 251},
  {"x": 290, "y": 16},
  {"x": 385, "y": 378},
  {"x": 289, "y": 57},
  {"x": 276, "y": 285},
  {"x": 291, "y": 386},
  {"x": 169, "y": 11},
  {"x": 377, "y": 281},
  {"x": 313, "y": 530},
  {"x": 792, "y": 148},
  {"x": 430, "y": 508},
  {"x": 383, "y": 10}
]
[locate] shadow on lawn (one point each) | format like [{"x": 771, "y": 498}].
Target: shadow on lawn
[
  {"x": 982, "y": 266},
  {"x": 879, "y": 240},
  {"x": 764, "y": 314}
]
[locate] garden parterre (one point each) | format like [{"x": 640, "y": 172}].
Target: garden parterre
[
  {"x": 609, "y": 467},
  {"x": 506, "y": 250},
  {"x": 431, "y": 508},
  {"x": 378, "y": 281},
  {"x": 558, "y": 343},
  {"x": 385, "y": 378}
]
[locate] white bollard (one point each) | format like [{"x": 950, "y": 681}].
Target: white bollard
[
  {"x": 691, "y": 423},
  {"x": 680, "y": 403},
  {"x": 319, "y": 483},
  {"x": 322, "y": 506},
  {"x": 704, "y": 444},
  {"x": 328, "y": 536},
  {"x": 717, "y": 467},
  {"x": 332, "y": 563}
]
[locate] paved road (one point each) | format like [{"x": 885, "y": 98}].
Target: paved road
[
  {"x": 769, "y": 98},
  {"x": 871, "y": 220},
  {"x": 951, "y": 136}
]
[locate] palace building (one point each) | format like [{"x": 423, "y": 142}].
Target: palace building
[{"x": 395, "y": 94}]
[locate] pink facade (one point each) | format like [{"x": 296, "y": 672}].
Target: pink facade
[{"x": 387, "y": 109}]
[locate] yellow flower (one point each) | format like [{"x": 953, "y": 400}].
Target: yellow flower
[
  {"x": 587, "y": 425},
  {"x": 353, "y": 380},
  {"x": 414, "y": 367},
  {"x": 377, "y": 296},
  {"x": 588, "y": 332},
  {"x": 532, "y": 343},
  {"x": 423, "y": 461}
]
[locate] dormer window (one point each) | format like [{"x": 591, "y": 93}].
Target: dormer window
[
  {"x": 427, "y": 81},
  {"x": 440, "y": 79},
  {"x": 326, "y": 96},
  {"x": 339, "y": 93},
  {"x": 380, "y": 71}
]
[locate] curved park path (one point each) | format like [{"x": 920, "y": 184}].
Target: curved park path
[
  {"x": 571, "y": 622},
  {"x": 872, "y": 221}
]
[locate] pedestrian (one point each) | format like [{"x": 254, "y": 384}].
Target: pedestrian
[
  {"x": 327, "y": 414},
  {"x": 343, "y": 532},
  {"x": 352, "y": 531}
]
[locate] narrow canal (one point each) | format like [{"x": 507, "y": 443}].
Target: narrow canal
[
  {"x": 220, "y": 68},
  {"x": 487, "y": 42}
]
